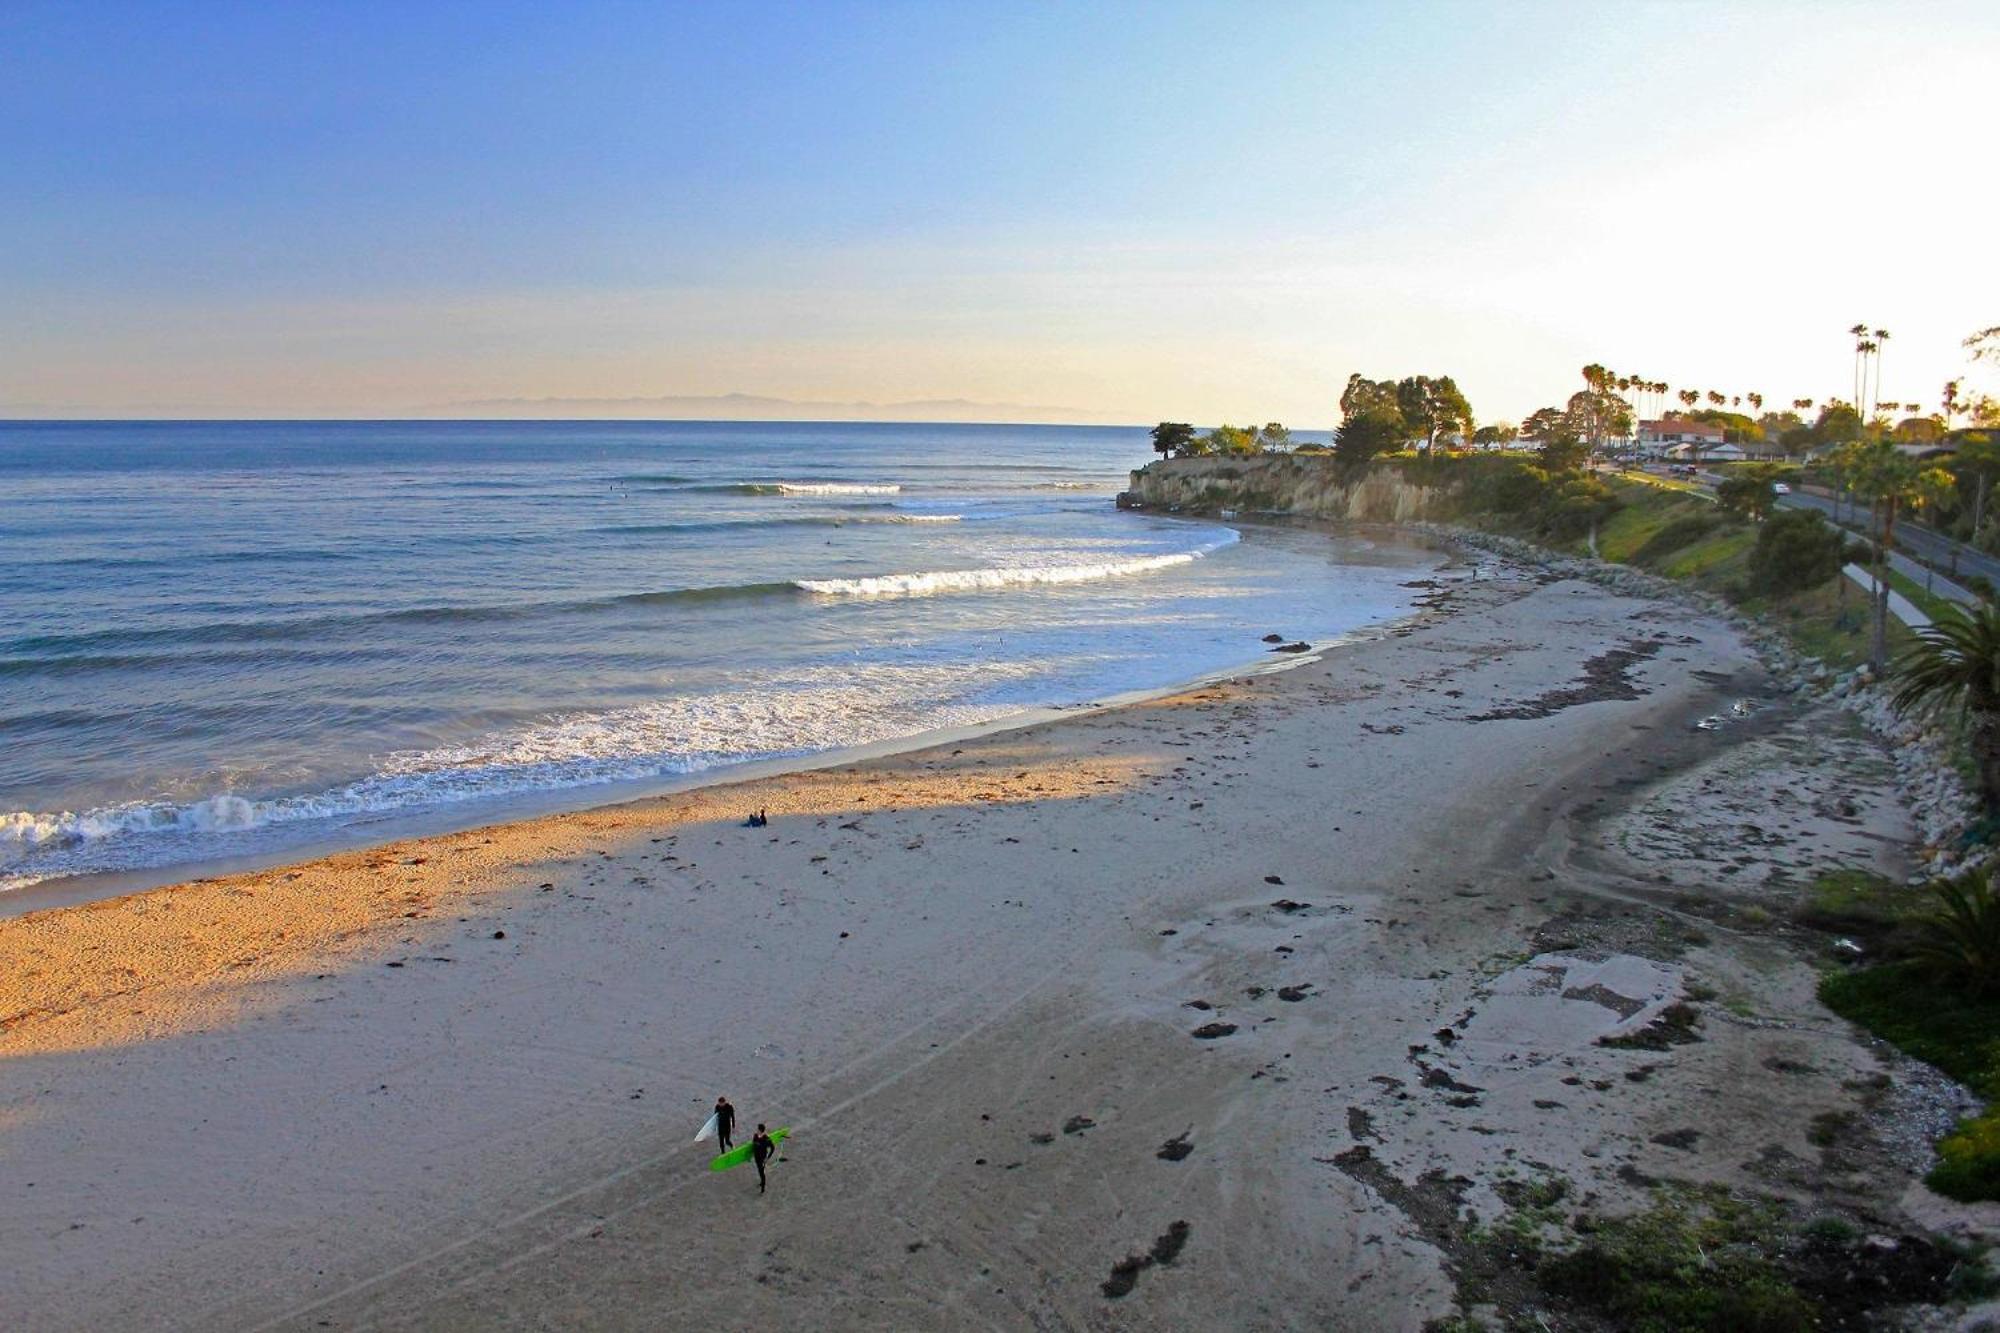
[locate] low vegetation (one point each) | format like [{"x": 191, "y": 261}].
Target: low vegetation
[
  {"x": 1696, "y": 1258},
  {"x": 1937, "y": 999}
]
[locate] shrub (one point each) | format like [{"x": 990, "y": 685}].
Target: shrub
[
  {"x": 1961, "y": 939},
  {"x": 1577, "y": 507},
  {"x": 1968, "y": 1166},
  {"x": 1796, "y": 550},
  {"x": 1519, "y": 488}
]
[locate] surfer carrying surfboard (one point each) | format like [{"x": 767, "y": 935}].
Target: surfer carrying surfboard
[
  {"x": 725, "y": 1122},
  {"x": 761, "y": 1148}
]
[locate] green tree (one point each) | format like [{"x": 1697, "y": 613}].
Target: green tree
[
  {"x": 1231, "y": 440},
  {"x": 1172, "y": 437},
  {"x": 1796, "y": 550},
  {"x": 1557, "y": 437},
  {"x": 1499, "y": 433},
  {"x": 1838, "y": 422},
  {"x": 1749, "y": 491},
  {"x": 1597, "y": 415},
  {"x": 1274, "y": 438},
  {"x": 1955, "y": 662},
  {"x": 1977, "y": 461},
  {"x": 1433, "y": 407},
  {"x": 1366, "y": 395},
  {"x": 1892, "y": 482},
  {"x": 1368, "y": 433}
]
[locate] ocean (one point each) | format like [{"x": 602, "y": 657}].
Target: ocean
[{"x": 230, "y": 641}]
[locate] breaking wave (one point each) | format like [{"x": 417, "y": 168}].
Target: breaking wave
[
  {"x": 970, "y": 580},
  {"x": 826, "y": 709},
  {"x": 805, "y": 488}
]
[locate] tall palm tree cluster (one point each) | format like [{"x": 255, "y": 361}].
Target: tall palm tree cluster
[{"x": 1868, "y": 347}]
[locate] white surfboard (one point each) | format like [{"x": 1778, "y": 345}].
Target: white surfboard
[{"x": 707, "y": 1128}]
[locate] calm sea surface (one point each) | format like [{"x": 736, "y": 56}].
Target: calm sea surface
[{"x": 221, "y": 640}]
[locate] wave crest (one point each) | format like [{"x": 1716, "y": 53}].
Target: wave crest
[
  {"x": 977, "y": 580},
  {"x": 809, "y": 488}
]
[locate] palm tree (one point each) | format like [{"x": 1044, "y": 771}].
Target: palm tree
[
  {"x": 1891, "y": 481},
  {"x": 1689, "y": 397},
  {"x": 1756, "y": 401},
  {"x": 1866, "y": 408},
  {"x": 1860, "y": 332},
  {"x": 1716, "y": 399},
  {"x": 1881, "y": 337},
  {"x": 1956, "y": 662}
]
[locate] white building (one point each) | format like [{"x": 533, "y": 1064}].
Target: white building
[{"x": 1678, "y": 438}]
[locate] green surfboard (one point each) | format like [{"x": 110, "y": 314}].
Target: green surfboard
[{"x": 738, "y": 1156}]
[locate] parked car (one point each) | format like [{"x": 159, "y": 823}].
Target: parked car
[{"x": 1780, "y": 488}]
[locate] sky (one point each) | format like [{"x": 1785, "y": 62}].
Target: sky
[{"x": 1123, "y": 213}]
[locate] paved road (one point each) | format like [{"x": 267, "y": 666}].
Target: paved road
[{"x": 1920, "y": 540}]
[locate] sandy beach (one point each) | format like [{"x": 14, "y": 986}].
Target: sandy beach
[{"x": 1274, "y": 983}]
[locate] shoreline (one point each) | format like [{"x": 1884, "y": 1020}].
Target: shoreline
[
  {"x": 60, "y": 892},
  {"x": 441, "y": 1083}
]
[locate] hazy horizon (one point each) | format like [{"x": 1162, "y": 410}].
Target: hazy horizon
[{"x": 1122, "y": 215}]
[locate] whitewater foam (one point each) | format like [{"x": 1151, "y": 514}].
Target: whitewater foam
[
  {"x": 975, "y": 580},
  {"x": 835, "y": 488},
  {"x": 809, "y": 712}
]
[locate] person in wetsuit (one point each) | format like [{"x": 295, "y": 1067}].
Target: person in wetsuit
[
  {"x": 761, "y": 1149},
  {"x": 725, "y": 1121}
]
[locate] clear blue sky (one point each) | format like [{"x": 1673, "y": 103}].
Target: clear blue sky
[{"x": 1127, "y": 212}]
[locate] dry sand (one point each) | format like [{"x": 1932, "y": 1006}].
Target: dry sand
[{"x": 454, "y": 1082}]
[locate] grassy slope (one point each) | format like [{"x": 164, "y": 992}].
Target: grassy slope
[{"x": 1673, "y": 530}]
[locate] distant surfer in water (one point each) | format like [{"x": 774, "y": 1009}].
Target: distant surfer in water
[
  {"x": 725, "y": 1121},
  {"x": 761, "y": 1149}
]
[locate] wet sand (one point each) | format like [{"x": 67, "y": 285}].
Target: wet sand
[{"x": 1221, "y": 1010}]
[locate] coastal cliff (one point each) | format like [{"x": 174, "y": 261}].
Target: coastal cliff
[{"x": 1313, "y": 485}]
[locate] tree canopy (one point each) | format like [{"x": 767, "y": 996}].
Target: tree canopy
[
  {"x": 1234, "y": 440},
  {"x": 1558, "y": 436},
  {"x": 1750, "y": 491},
  {"x": 1274, "y": 438},
  {"x": 1172, "y": 437},
  {"x": 1367, "y": 433},
  {"x": 1432, "y": 407},
  {"x": 1365, "y": 395}
]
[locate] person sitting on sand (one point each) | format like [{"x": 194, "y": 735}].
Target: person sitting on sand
[
  {"x": 725, "y": 1121},
  {"x": 758, "y": 819},
  {"x": 761, "y": 1149}
]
